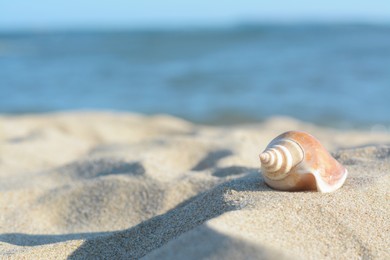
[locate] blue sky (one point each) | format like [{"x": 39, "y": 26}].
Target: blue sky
[{"x": 64, "y": 14}]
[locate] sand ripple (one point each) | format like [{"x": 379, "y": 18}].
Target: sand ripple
[{"x": 100, "y": 185}]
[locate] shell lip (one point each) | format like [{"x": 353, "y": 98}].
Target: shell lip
[{"x": 324, "y": 187}]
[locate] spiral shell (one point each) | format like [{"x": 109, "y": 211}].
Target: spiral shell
[
  {"x": 279, "y": 158},
  {"x": 297, "y": 161}
]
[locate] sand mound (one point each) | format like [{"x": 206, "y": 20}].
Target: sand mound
[{"x": 87, "y": 185}]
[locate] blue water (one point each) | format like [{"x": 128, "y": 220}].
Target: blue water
[{"x": 335, "y": 75}]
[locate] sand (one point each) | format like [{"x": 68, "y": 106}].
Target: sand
[{"x": 82, "y": 185}]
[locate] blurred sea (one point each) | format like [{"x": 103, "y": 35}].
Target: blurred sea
[{"x": 334, "y": 75}]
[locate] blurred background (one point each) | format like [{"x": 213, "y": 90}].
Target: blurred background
[{"x": 211, "y": 62}]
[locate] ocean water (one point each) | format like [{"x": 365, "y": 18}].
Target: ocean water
[{"x": 334, "y": 75}]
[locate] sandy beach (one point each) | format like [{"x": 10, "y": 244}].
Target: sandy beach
[{"x": 82, "y": 185}]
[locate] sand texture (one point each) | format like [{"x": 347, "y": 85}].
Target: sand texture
[{"x": 86, "y": 185}]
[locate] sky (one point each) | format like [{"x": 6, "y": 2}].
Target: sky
[{"x": 95, "y": 14}]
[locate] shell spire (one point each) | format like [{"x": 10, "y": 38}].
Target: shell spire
[{"x": 297, "y": 161}]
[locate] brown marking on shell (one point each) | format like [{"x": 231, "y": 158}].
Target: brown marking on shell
[
  {"x": 295, "y": 182},
  {"x": 331, "y": 171}
]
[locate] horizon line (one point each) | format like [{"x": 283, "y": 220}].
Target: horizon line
[{"x": 191, "y": 26}]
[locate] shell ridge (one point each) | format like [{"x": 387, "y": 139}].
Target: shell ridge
[{"x": 280, "y": 156}]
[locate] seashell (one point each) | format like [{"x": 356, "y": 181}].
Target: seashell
[{"x": 297, "y": 161}]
